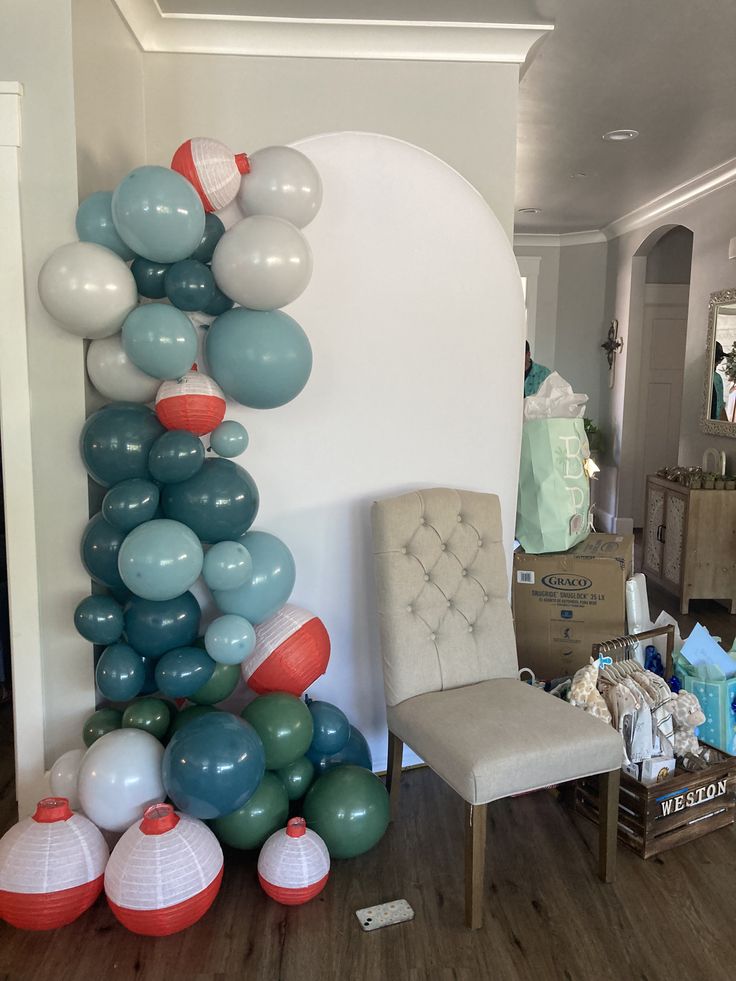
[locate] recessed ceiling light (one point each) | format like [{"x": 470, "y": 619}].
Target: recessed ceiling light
[
  {"x": 620, "y": 135},
  {"x": 529, "y": 211}
]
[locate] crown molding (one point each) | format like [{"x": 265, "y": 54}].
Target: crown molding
[
  {"x": 307, "y": 37},
  {"x": 677, "y": 197},
  {"x": 542, "y": 240}
]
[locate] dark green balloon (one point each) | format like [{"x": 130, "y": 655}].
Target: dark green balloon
[
  {"x": 99, "y": 619},
  {"x": 99, "y": 550},
  {"x": 150, "y": 714},
  {"x": 116, "y": 441},
  {"x": 284, "y": 724},
  {"x": 149, "y": 277},
  {"x": 222, "y": 683},
  {"x": 189, "y": 285},
  {"x": 187, "y": 715},
  {"x": 213, "y": 232},
  {"x": 265, "y": 812},
  {"x": 175, "y": 456},
  {"x": 99, "y": 723},
  {"x": 219, "y": 503},
  {"x": 348, "y": 808},
  {"x": 297, "y": 777}
]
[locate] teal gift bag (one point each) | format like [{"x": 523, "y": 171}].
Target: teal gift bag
[{"x": 553, "y": 505}]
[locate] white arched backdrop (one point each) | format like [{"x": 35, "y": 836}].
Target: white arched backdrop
[{"x": 415, "y": 316}]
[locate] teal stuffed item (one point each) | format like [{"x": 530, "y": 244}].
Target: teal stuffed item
[{"x": 554, "y": 488}]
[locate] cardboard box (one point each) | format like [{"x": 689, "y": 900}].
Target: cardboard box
[{"x": 564, "y": 602}]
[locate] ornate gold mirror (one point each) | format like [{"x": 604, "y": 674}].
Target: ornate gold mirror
[{"x": 718, "y": 415}]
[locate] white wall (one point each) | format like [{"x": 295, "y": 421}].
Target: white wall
[{"x": 545, "y": 333}]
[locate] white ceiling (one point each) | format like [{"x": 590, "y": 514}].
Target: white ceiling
[{"x": 664, "y": 67}]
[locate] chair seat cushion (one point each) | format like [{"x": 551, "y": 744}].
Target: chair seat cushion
[{"x": 502, "y": 737}]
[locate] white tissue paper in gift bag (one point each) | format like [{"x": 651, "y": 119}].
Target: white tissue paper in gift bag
[{"x": 555, "y": 399}]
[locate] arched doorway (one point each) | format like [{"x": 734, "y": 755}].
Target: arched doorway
[{"x": 658, "y": 314}]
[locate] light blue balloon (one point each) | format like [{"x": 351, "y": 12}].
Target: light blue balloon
[
  {"x": 158, "y": 214},
  {"x": 227, "y": 565},
  {"x": 229, "y": 639},
  {"x": 94, "y": 224},
  {"x": 260, "y": 358},
  {"x": 229, "y": 439},
  {"x": 270, "y": 583},
  {"x": 160, "y": 559},
  {"x": 160, "y": 340},
  {"x": 120, "y": 673},
  {"x": 129, "y": 503}
]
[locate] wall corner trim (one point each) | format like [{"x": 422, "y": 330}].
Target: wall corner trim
[
  {"x": 592, "y": 237},
  {"x": 320, "y": 37},
  {"x": 10, "y": 96}
]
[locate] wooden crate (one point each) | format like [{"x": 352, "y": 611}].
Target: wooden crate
[{"x": 653, "y": 818}]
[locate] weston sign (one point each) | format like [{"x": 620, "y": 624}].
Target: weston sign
[{"x": 680, "y": 801}]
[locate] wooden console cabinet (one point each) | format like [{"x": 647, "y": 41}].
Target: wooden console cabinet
[{"x": 690, "y": 541}]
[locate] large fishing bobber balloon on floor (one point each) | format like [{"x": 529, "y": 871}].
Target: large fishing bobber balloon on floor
[
  {"x": 164, "y": 873},
  {"x": 213, "y": 170},
  {"x": 194, "y": 403},
  {"x": 294, "y": 864},
  {"x": 51, "y": 867},
  {"x": 292, "y": 650}
]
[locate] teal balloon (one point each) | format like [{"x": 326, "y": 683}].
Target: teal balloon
[
  {"x": 284, "y": 724},
  {"x": 119, "y": 673},
  {"x": 348, "y": 808},
  {"x": 130, "y": 503},
  {"x": 160, "y": 340},
  {"x": 181, "y": 672},
  {"x": 270, "y": 583},
  {"x": 213, "y": 232},
  {"x": 227, "y": 565},
  {"x": 149, "y": 714},
  {"x": 265, "y": 812},
  {"x": 149, "y": 681},
  {"x": 100, "y": 549},
  {"x": 100, "y": 723},
  {"x": 175, "y": 456},
  {"x": 331, "y": 728},
  {"x": 355, "y": 752},
  {"x": 149, "y": 278},
  {"x": 297, "y": 777},
  {"x": 187, "y": 715},
  {"x": 219, "y": 503},
  {"x": 220, "y": 303},
  {"x": 260, "y": 358},
  {"x": 158, "y": 214},
  {"x": 160, "y": 559},
  {"x": 229, "y": 439},
  {"x": 229, "y": 639},
  {"x": 213, "y": 765},
  {"x": 154, "y": 627},
  {"x": 190, "y": 285},
  {"x": 99, "y": 619},
  {"x": 94, "y": 224},
  {"x": 116, "y": 440}
]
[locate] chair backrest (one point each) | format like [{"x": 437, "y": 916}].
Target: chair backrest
[{"x": 442, "y": 591}]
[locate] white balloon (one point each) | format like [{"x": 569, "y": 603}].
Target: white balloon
[
  {"x": 282, "y": 182},
  {"x": 119, "y": 777},
  {"x": 115, "y": 376},
  {"x": 63, "y": 777},
  {"x": 87, "y": 288},
  {"x": 262, "y": 262}
]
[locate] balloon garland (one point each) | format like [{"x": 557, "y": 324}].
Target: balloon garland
[{"x": 154, "y": 267}]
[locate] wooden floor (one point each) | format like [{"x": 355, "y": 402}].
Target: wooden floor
[{"x": 547, "y": 916}]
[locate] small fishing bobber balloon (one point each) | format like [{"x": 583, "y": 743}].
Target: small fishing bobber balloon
[
  {"x": 164, "y": 873},
  {"x": 52, "y": 867},
  {"x": 212, "y": 168},
  {"x": 292, "y": 650},
  {"x": 193, "y": 402},
  {"x": 294, "y": 864}
]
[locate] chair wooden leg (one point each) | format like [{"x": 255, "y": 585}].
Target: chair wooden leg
[
  {"x": 475, "y": 861},
  {"x": 393, "y": 772},
  {"x": 608, "y": 786}
]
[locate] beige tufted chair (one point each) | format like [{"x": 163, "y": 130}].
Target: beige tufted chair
[{"x": 450, "y": 673}]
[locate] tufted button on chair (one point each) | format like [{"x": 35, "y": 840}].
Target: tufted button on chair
[{"x": 450, "y": 673}]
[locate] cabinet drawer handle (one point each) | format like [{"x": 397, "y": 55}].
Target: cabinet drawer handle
[{"x": 660, "y": 532}]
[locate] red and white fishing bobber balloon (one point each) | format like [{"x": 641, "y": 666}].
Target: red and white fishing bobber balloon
[
  {"x": 193, "y": 402},
  {"x": 294, "y": 864},
  {"x": 212, "y": 168},
  {"x": 164, "y": 873},
  {"x": 292, "y": 650},
  {"x": 52, "y": 867}
]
